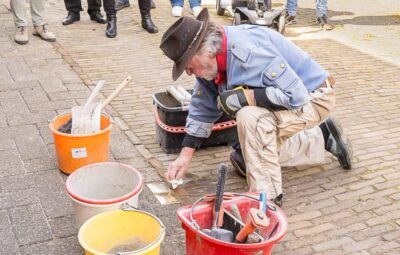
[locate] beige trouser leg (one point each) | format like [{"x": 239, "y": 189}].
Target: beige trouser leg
[
  {"x": 18, "y": 8},
  {"x": 262, "y": 134}
]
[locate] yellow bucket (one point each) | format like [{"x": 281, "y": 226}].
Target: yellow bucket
[{"x": 122, "y": 232}]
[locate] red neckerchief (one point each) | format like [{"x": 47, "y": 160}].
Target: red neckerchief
[{"x": 221, "y": 62}]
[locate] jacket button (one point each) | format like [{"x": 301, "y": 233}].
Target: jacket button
[
  {"x": 273, "y": 74},
  {"x": 233, "y": 46},
  {"x": 282, "y": 66}
]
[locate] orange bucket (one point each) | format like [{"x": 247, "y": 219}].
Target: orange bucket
[{"x": 75, "y": 151}]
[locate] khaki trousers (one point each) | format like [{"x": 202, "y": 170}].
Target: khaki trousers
[
  {"x": 270, "y": 140},
  {"x": 19, "y": 11}
]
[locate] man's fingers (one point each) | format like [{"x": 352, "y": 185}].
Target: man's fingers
[{"x": 171, "y": 173}]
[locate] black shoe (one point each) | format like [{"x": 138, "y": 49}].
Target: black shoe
[
  {"x": 96, "y": 16},
  {"x": 71, "y": 18},
  {"x": 278, "y": 200},
  {"x": 111, "y": 30},
  {"x": 237, "y": 161},
  {"x": 337, "y": 143},
  {"x": 119, "y": 4},
  {"x": 153, "y": 5},
  {"x": 147, "y": 23}
]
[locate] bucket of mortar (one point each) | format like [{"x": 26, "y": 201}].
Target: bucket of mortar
[
  {"x": 74, "y": 151},
  {"x": 101, "y": 187},
  {"x": 199, "y": 216},
  {"x": 130, "y": 232}
]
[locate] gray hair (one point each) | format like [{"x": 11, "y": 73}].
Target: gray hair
[{"x": 212, "y": 41}]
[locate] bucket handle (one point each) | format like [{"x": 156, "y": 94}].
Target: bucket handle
[
  {"x": 197, "y": 227},
  {"x": 131, "y": 208}
]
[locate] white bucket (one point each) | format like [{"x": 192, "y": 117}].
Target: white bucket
[{"x": 101, "y": 187}]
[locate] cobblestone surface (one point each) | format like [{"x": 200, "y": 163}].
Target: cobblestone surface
[{"x": 330, "y": 211}]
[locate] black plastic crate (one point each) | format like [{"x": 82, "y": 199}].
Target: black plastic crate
[{"x": 170, "y": 118}]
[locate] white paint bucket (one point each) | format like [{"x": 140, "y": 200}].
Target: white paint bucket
[{"x": 101, "y": 187}]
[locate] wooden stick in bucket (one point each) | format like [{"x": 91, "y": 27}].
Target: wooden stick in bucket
[{"x": 87, "y": 120}]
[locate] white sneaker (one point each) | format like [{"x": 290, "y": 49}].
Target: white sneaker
[
  {"x": 177, "y": 11},
  {"x": 196, "y": 10}
]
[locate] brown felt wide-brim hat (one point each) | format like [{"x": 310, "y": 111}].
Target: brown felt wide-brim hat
[{"x": 182, "y": 40}]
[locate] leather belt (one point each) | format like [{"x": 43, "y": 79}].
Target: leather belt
[{"x": 328, "y": 83}]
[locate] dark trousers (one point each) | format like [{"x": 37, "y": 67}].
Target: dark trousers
[
  {"x": 144, "y": 5},
  {"x": 93, "y": 5}
]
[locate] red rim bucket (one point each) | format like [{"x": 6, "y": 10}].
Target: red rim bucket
[
  {"x": 199, "y": 243},
  {"x": 104, "y": 186}
]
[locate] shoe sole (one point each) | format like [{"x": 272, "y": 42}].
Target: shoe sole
[
  {"x": 237, "y": 168},
  {"x": 47, "y": 40},
  {"x": 336, "y": 130},
  {"x": 21, "y": 42},
  {"x": 66, "y": 24}
]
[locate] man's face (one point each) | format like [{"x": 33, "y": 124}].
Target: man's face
[{"x": 203, "y": 65}]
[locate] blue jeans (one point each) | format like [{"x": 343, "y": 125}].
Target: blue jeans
[
  {"x": 321, "y": 7},
  {"x": 192, "y": 3}
]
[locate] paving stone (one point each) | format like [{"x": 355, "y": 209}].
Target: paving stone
[
  {"x": 40, "y": 164},
  {"x": 29, "y": 224},
  {"x": 52, "y": 85},
  {"x": 377, "y": 230},
  {"x": 34, "y": 94},
  {"x": 371, "y": 204},
  {"x": 386, "y": 248},
  {"x": 18, "y": 198},
  {"x": 14, "y": 106},
  {"x": 122, "y": 148},
  {"x": 8, "y": 243},
  {"x": 314, "y": 230},
  {"x": 18, "y": 131},
  {"x": 9, "y": 94},
  {"x": 3, "y": 121},
  {"x": 17, "y": 182},
  {"x": 18, "y": 85},
  {"x": 7, "y": 144},
  {"x": 31, "y": 118},
  {"x": 354, "y": 194},
  {"x": 19, "y": 70},
  {"x": 69, "y": 245},
  {"x": 332, "y": 244},
  {"x": 52, "y": 105},
  {"x": 31, "y": 146},
  {"x": 363, "y": 245},
  {"x": 62, "y": 227},
  {"x": 11, "y": 163},
  {"x": 51, "y": 192}
]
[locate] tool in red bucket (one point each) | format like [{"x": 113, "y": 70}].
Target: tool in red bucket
[
  {"x": 198, "y": 216},
  {"x": 255, "y": 219},
  {"x": 216, "y": 231}
]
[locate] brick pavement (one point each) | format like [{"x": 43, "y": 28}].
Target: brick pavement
[{"x": 330, "y": 211}]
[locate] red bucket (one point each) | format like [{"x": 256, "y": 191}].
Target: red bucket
[{"x": 199, "y": 243}]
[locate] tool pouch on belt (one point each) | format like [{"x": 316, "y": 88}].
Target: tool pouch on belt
[{"x": 231, "y": 101}]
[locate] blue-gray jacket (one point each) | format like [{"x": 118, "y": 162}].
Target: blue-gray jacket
[{"x": 256, "y": 57}]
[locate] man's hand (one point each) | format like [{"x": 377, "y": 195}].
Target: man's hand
[
  {"x": 231, "y": 101},
  {"x": 178, "y": 168}
]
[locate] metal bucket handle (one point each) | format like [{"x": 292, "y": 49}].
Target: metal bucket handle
[
  {"x": 128, "y": 207},
  {"x": 197, "y": 227}
]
